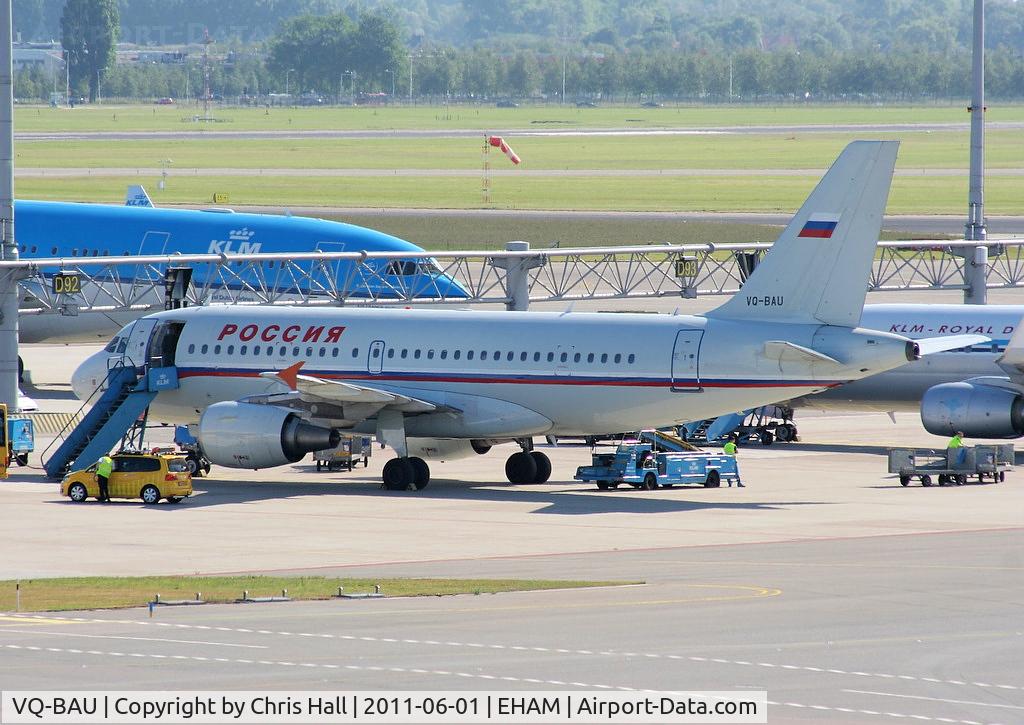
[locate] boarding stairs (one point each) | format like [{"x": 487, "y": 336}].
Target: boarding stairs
[{"x": 119, "y": 409}]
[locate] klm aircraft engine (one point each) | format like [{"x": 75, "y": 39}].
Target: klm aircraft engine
[{"x": 977, "y": 409}]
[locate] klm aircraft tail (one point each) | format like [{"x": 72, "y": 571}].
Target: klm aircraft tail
[
  {"x": 137, "y": 196},
  {"x": 818, "y": 268}
]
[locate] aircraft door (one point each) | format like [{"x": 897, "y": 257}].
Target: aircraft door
[
  {"x": 686, "y": 361},
  {"x": 135, "y": 351},
  {"x": 375, "y": 357},
  {"x": 163, "y": 344}
]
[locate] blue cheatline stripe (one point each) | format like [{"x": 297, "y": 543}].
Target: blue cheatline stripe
[{"x": 509, "y": 379}]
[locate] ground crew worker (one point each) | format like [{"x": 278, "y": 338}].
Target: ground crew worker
[
  {"x": 104, "y": 467},
  {"x": 957, "y": 443},
  {"x": 730, "y": 450}
]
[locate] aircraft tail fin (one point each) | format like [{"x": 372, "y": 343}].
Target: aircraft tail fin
[
  {"x": 137, "y": 196},
  {"x": 1012, "y": 359},
  {"x": 817, "y": 270}
]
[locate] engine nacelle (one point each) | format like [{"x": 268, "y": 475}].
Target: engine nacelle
[
  {"x": 448, "y": 449},
  {"x": 246, "y": 435},
  {"x": 980, "y": 411}
]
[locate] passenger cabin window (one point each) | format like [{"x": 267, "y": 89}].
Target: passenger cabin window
[
  {"x": 203, "y": 349},
  {"x": 536, "y": 357},
  {"x": 469, "y": 354},
  {"x": 416, "y": 354},
  {"x": 391, "y": 352},
  {"x": 631, "y": 359},
  {"x": 457, "y": 354},
  {"x": 444, "y": 354},
  {"x": 244, "y": 349},
  {"x": 590, "y": 358},
  {"x": 334, "y": 352},
  {"x": 564, "y": 356},
  {"x": 231, "y": 349},
  {"x": 604, "y": 357},
  {"x": 551, "y": 357},
  {"x": 216, "y": 349},
  {"x": 618, "y": 357},
  {"x": 355, "y": 352},
  {"x": 430, "y": 354}
]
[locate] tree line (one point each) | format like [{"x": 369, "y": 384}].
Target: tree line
[{"x": 448, "y": 74}]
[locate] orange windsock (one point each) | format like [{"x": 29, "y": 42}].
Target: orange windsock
[{"x": 499, "y": 142}]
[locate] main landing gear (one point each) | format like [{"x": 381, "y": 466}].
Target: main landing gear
[
  {"x": 400, "y": 473},
  {"x": 528, "y": 466}
]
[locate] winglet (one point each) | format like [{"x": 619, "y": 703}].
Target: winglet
[{"x": 290, "y": 375}]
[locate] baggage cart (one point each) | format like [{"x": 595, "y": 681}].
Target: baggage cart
[
  {"x": 952, "y": 466},
  {"x": 345, "y": 456}
]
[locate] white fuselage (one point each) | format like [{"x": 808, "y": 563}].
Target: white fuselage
[
  {"x": 901, "y": 389},
  {"x": 585, "y": 373}
]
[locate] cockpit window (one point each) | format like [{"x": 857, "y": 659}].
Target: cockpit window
[
  {"x": 409, "y": 267},
  {"x": 123, "y": 345},
  {"x": 112, "y": 345}
]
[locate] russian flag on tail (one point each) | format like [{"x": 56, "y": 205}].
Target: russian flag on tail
[{"x": 820, "y": 226}]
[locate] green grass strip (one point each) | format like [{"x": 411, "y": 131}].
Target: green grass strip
[{"x": 66, "y": 594}]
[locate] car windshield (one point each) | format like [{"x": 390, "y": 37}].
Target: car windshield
[{"x": 177, "y": 465}]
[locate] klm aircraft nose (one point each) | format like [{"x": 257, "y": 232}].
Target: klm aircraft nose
[{"x": 89, "y": 375}]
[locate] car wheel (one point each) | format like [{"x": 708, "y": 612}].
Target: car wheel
[
  {"x": 78, "y": 493},
  {"x": 150, "y": 494},
  {"x": 713, "y": 480},
  {"x": 650, "y": 482},
  {"x": 904, "y": 480},
  {"x": 926, "y": 480},
  {"x": 22, "y": 459},
  {"x": 603, "y": 485}
]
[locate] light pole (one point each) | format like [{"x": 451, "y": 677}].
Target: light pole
[
  {"x": 286, "y": 74},
  {"x": 352, "y": 88},
  {"x": 164, "y": 163},
  {"x": 392, "y": 74}
]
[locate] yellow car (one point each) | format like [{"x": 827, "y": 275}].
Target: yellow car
[{"x": 150, "y": 477}]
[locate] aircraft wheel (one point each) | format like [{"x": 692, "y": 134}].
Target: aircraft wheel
[
  {"x": 421, "y": 473},
  {"x": 650, "y": 482},
  {"x": 520, "y": 468},
  {"x": 398, "y": 473},
  {"x": 713, "y": 480},
  {"x": 543, "y": 467}
]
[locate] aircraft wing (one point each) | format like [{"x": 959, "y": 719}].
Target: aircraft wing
[
  {"x": 370, "y": 399},
  {"x": 1012, "y": 359},
  {"x": 932, "y": 345}
]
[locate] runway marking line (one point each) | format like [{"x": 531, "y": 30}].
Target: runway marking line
[
  {"x": 477, "y": 676},
  {"x": 21, "y": 620},
  {"x": 601, "y": 653},
  {"x": 937, "y": 699}
]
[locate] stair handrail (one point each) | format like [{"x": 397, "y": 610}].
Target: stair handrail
[{"x": 77, "y": 418}]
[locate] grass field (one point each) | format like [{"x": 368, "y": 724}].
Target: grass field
[
  {"x": 920, "y": 150},
  {"x": 768, "y": 151},
  {"x": 51, "y": 595},
  {"x": 923, "y": 195},
  {"x": 171, "y": 118}
]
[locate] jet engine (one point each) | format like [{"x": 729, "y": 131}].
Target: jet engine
[
  {"x": 448, "y": 449},
  {"x": 246, "y": 435},
  {"x": 980, "y": 411}
]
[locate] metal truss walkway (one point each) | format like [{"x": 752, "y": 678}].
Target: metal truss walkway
[{"x": 513, "y": 278}]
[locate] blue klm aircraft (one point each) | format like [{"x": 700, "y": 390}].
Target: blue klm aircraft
[{"x": 46, "y": 229}]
